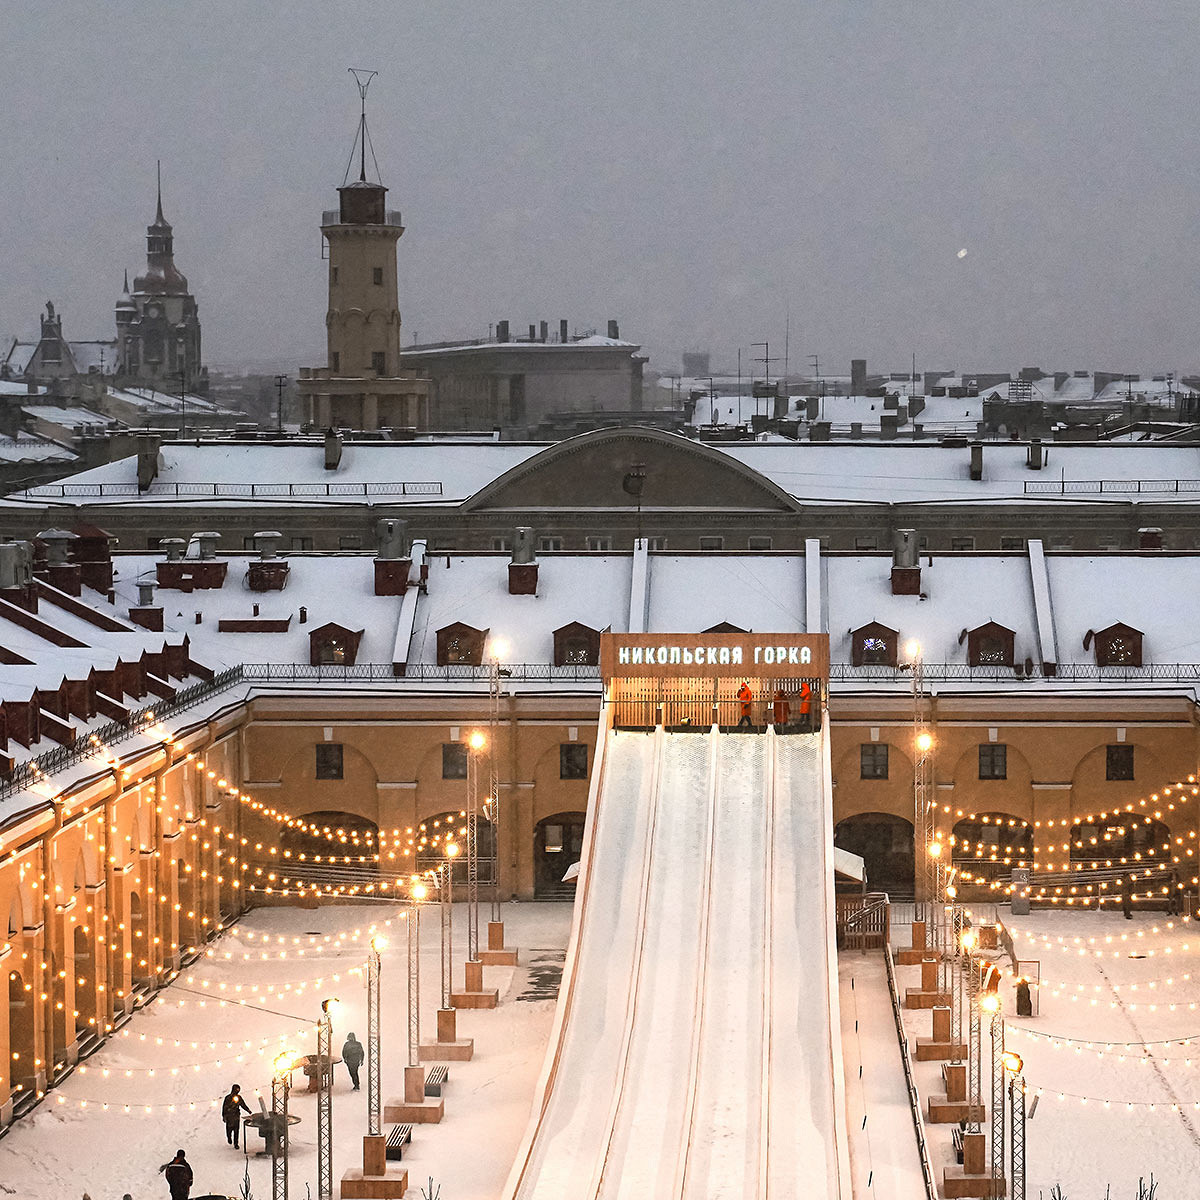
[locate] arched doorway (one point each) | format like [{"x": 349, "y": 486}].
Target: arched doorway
[
  {"x": 885, "y": 844},
  {"x": 336, "y": 850},
  {"x": 188, "y": 926},
  {"x": 988, "y": 845},
  {"x": 1121, "y": 835},
  {"x": 85, "y": 984},
  {"x": 434, "y": 832},
  {"x": 139, "y": 945},
  {"x": 557, "y": 843},
  {"x": 20, "y": 1038}
]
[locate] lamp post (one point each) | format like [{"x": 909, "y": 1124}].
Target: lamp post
[
  {"x": 281, "y": 1083},
  {"x": 374, "y": 1103},
  {"x": 418, "y": 893},
  {"x": 1013, "y": 1065},
  {"x": 446, "y": 915},
  {"x": 325, "y": 1100},
  {"x": 989, "y": 1003},
  {"x": 923, "y": 809},
  {"x": 974, "y": 1081},
  {"x": 475, "y": 743},
  {"x": 954, "y": 944},
  {"x": 497, "y": 649}
]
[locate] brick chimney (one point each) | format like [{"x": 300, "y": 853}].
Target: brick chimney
[
  {"x": 333, "y": 449},
  {"x": 147, "y": 614},
  {"x": 16, "y": 575},
  {"x": 392, "y": 559},
  {"x": 148, "y": 445},
  {"x": 191, "y": 574},
  {"x": 268, "y": 572},
  {"x": 60, "y": 571},
  {"x": 906, "y": 566},
  {"x": 523, "y": 570},
  {"x": 977, "y": 461}
]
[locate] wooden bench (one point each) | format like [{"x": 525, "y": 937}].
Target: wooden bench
[
  {"x": 435, "y": 1080},
  {"x": 957, "y": 1137},
  {"x": 398, "y": 1137}
]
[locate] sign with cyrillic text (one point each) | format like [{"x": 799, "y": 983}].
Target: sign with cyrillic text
[{"x": 712, "y": 655}]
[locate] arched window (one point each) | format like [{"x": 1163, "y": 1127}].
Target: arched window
[{"x": 885, "y": 844}]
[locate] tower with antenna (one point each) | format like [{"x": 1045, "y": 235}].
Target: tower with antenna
[{"x": 362, "y": 385}]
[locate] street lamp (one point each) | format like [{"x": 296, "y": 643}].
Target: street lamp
[
  {"x": 418, "y": 891},
  {"x": 446, "y": 914},
  {"x": 498, "y": 650},
  {"x": 989, "y": 1002},
  {"x": 475, "y": 743},
  {"x": 374, "y": 1105},
  {"x": 325, "y": 1099},
  {"x": 968, "y": 941},
  {"x": 281, "y": 1082},
  {"x": 1013, "y": 1065}
]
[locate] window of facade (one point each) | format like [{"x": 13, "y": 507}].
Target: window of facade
[
  {"x": 335, "y": 362},
  {"x": 548, "y": 545},
  {"x": 656, "y": 543},
  {"x": 349, "y": 543},
  {"x": 329, "y": 760},
  {"x": 378, "y": 361},
  {"x": 599, "y": 543},
  {"x": 377, "y": 276},
  {"x": 993, "y": 761},
  {"x": 248, "y": 543},
  {"x": 572, "y": 760},
  {"x": 302, "y": 543},
  {"x": 330, "y": 651},
  {"x": 758, "y": 543},
  {"x": 962, "y": 543},
  {"x": 873, "y": 760},
  {"x": 1013, "y": 543},
  {"x": 502, "y": 543},
  {"x": 712, "y": 543},
  {"x": 1118, "y": 763},
  {"x": 454, "y": 760},
  {"x": 866, "y": 543},
  {"x": 153, "y": 543}
]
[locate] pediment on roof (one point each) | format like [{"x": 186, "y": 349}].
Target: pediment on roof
[{"x": 593, "y": 470}]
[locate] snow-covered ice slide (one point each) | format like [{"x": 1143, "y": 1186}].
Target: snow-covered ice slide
[{"x": 696, "y": 1053}]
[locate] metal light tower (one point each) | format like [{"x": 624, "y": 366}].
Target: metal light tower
[
  {"x": 1013, "y": 1064},
  {"x": 325, "y": 1100},
  {"x": 475, "y": 743},
  {"x": 418, "y": 893},
  {"x": 990, "y": 1003},
  {"x": 974, "y": 1074},
  {"x": 281, "y": 1083},
  {"x": 923, "y": 807},
  {"x": 446, "y": 915},
  {"x": 374, "y": 1100},
  {"x": 497, "y": 650}
]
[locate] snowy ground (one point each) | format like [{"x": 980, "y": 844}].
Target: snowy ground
[
  {"x": 1127, "y": 1109},
  {"x": 64, "y": 1148}
]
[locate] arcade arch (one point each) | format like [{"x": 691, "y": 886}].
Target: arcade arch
[
  {"x": 557, "y": 843},
  {"x": 885, "y": 844}
]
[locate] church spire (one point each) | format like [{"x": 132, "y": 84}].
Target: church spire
[{"x": 158, "y": 216}]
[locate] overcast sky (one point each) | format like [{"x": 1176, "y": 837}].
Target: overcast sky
[{"x": 687, "y": 167}]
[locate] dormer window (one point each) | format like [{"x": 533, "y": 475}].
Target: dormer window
[
  {"x": 874, "y": 645},
  {"x": 990, "y": 645},
  {"x": 724, "y": 627},
  {"x": 576, "y": 645},
  {"x": 333, "y": 645},
  {"x": 460, "y": 644},
  {"x": 1119, "y": 645}
]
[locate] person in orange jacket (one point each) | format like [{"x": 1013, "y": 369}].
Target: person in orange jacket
[
  {"x": 805, "y": 706},
  {"x": 746, "y": 698},
  {"x": 781, "y": 710}
]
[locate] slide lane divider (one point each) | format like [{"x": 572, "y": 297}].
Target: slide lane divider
[{"x": 770, "y": 800}]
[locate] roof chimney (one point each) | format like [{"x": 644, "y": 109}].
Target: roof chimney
[
  {"x": 148, "y": 445},
  {"x": 906, "y": 567},
  {"x": 502, "y": 331},
  {"x": 562, "y": 331},
  {"x": 174, "y": 548},
  {"x": 544, "y": 332},
  {"x": 392, "y": 560},
  {"x": 60, "y": 571},
  {"x": 614, "y": 331},
  {"x": 147, "y": 614},
  {"x": 1150, "y": 538},
  {"x": 1035, "y": 456},
  {"x": 16, "y": 575},
  {"x": 207, "y": 543},
  {"x": 333, "y": 449},
  {"x": 523, "y": 570},
  {"x": 977, "y": 461},
  {"x": 269, "y": 572}
]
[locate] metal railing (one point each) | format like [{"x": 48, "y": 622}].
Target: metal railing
[
  {"x": 421, "y": 672},
  {"x": 85, "y": 744},
  {"x": 240, "y": 491},
  {"x": 1064, "y": 672},
  {"x": 914, "y": 1099},
  {"x": 1115, "y": 487}
]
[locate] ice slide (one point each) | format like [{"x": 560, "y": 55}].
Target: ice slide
[{"x": 696, "y": 1048}]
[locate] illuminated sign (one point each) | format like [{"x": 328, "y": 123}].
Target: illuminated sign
[{"x": 706, "y": 655}]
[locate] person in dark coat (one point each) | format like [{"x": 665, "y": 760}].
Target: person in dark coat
[
  {"x": 353, "y": 1055},
  {"x": 179, "y": 1176},
  {"x": 232, "y": 1108}
]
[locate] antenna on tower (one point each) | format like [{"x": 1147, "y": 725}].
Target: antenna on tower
[{"x": 362, "y": 79}]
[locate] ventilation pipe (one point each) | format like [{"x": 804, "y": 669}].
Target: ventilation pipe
[
  {"x": 207, "y": 543},
  {"x": 523, "y": 569},
  {"x": 392, "y": 559},
  {"x": 1035, "y": 456},
  {"x": 1150, "y": 538},
  {"x": 906, "y": 563},
  {"x": 16, "y": 575},
  {"x": 174, "y": 548},
  {"x": 269, "y": 572},
  {"x": 61, "y": 573}
]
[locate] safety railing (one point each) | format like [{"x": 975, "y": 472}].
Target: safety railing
[
  {"x": 421, "y": 672},
  {"x": 239, "y": 491},
  {"x": 93, "y": 741},
  {"x": 1063, "y": 673},
  {"x": 1110, "y": 487},
  {"x": 914, "y": 1099}
]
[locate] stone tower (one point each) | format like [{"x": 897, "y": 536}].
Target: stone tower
[
  {"x": 158, "y": 323},
  {"x": 362, "y": 385}
]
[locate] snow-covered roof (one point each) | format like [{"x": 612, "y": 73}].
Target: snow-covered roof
[
  {"x": 18, "y": 387},
  {"x": 28, "y": 447},
  {"x": 71, "y": 418},
  {"x": 161, "y": 402},
  {"x": 692, "y": 593},
  {"x": 91, "y": 355},
  {"x": 592, "y": 342}
]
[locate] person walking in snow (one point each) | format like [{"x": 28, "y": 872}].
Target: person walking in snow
[
  {"x": 232, "y": 1108},
  {"x": 746, "y": 699},
  {"x": 179, "y": 1176},
  {"x": 352, "y": 1056}
]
